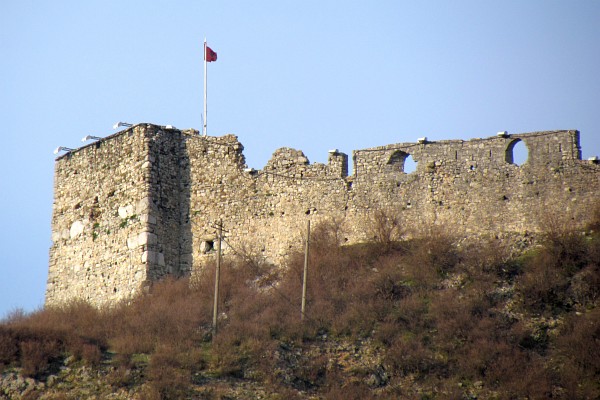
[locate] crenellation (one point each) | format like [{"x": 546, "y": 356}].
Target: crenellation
[{"x": 144, "y": 203}]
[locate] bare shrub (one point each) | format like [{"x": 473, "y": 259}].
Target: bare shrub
[
  {"x": 387, "y": 332},
  {"x": 249, "y": 318},
  {"x": 354, "y": 390},
  {"x": 564, "y": 242},
  {"x": 166, "y": 375},
  {"x": 333, "y": 228},
  {"x": 434, "y": 251},
  {"x": 420, "y": 276},
  {"x": 570, "y": 251},
  {"x": 554, "y": 222},
  {"x": 9, "y": 346},
  {"x": 575, "y": 383},
  {"x": 149, "y": 392},
  {"x": 14, "y": 316},
  {"x": 126, "y": 345},
  {"x": 385, "y": 227},
  {"x": 233, "y": 353},
  {"x": 489, "y": 258},
  {"x": 84, "y": 319},
  {"x": 391, "y": 285},
  {"x": 331, "y": 273},
  {"x": 46, "y": 335},
  {"x": 543, "y": 285},
  {"x": 480, "y": 349},
  {"x": 311, "y": 373},
  {"x": 584, "y": 287},
  {"x": 413, "y": 312},
  {"x": 579, "y": 341},
  {"x": 324, "y": 239},
  {"x": 454, "y": 318},
  {"x": 250, "y": 258},
  {"x": 518, "y": 374},
  {"x": 90, "y": 353},
  {"x": 76, "y": 318},
  {"x": 120, "y": 377},
  {"x": 407, "y": 355},
  {"x": 170, "y": 313},
  {"x": 564, "y": 272},
  {"x": 37, "y": 354}
]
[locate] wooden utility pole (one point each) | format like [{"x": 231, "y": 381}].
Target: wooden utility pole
[
  {"x": 217, "y": 278},
  {"x": 304, "y": 278}
]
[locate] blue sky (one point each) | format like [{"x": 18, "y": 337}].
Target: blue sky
[{"x": 313, "y": 75}]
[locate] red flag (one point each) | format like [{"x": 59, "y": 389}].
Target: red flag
[{"x": 210, "y": 55}]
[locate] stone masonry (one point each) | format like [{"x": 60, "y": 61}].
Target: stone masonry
[{"x": 143, "y": 203}]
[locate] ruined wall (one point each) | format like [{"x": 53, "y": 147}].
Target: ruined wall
[
  {"x": 260, "y": 210},
  {"x": 474, "y": 186},
  {"x": 144, "y": 203}
]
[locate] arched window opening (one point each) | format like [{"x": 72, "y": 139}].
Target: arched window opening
[
  {"x": 402, "y": 161},
  {"x": 206, "y": 246},
  {"x": 397, "y": 159},
  {"x": 517, "y": 152},
  {"x": 410, "y": 165}
]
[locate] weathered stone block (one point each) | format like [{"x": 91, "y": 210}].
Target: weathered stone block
[
  {"x": 143, "y": 205},
  {"x": 132, "y": 242},
  {"x": 76, "y": 229},
  {"x": 126, "y": 211},
  {"x": 148, "y": 218},
  {"x": 146, "y": 238},
  {"x": 149, "y": 257}
]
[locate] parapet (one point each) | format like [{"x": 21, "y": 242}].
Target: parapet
[{"x": 551, "y": 148}]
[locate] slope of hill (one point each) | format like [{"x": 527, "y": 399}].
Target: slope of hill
[{"x": 430, "y": 318}]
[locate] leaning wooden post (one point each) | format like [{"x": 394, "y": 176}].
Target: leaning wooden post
[
  {"x": 217, "y": 278},
  {"x": 304, "y": 278}
]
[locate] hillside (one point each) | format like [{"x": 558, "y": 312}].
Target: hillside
[{"x": 431, "y": 318}]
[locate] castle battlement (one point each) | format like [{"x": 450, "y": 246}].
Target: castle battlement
[{"x": 141, "y": 204}]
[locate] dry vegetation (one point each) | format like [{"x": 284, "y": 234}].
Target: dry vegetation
[{"x": 422, "y": 319}]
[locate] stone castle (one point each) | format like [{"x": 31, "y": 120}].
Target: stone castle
[{"x": 143, "y": 203}]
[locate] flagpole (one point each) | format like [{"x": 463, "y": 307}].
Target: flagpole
[{"x": 205, "y": 90}]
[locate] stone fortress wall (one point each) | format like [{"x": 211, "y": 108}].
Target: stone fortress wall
[{"x": 143, "y": 203}]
